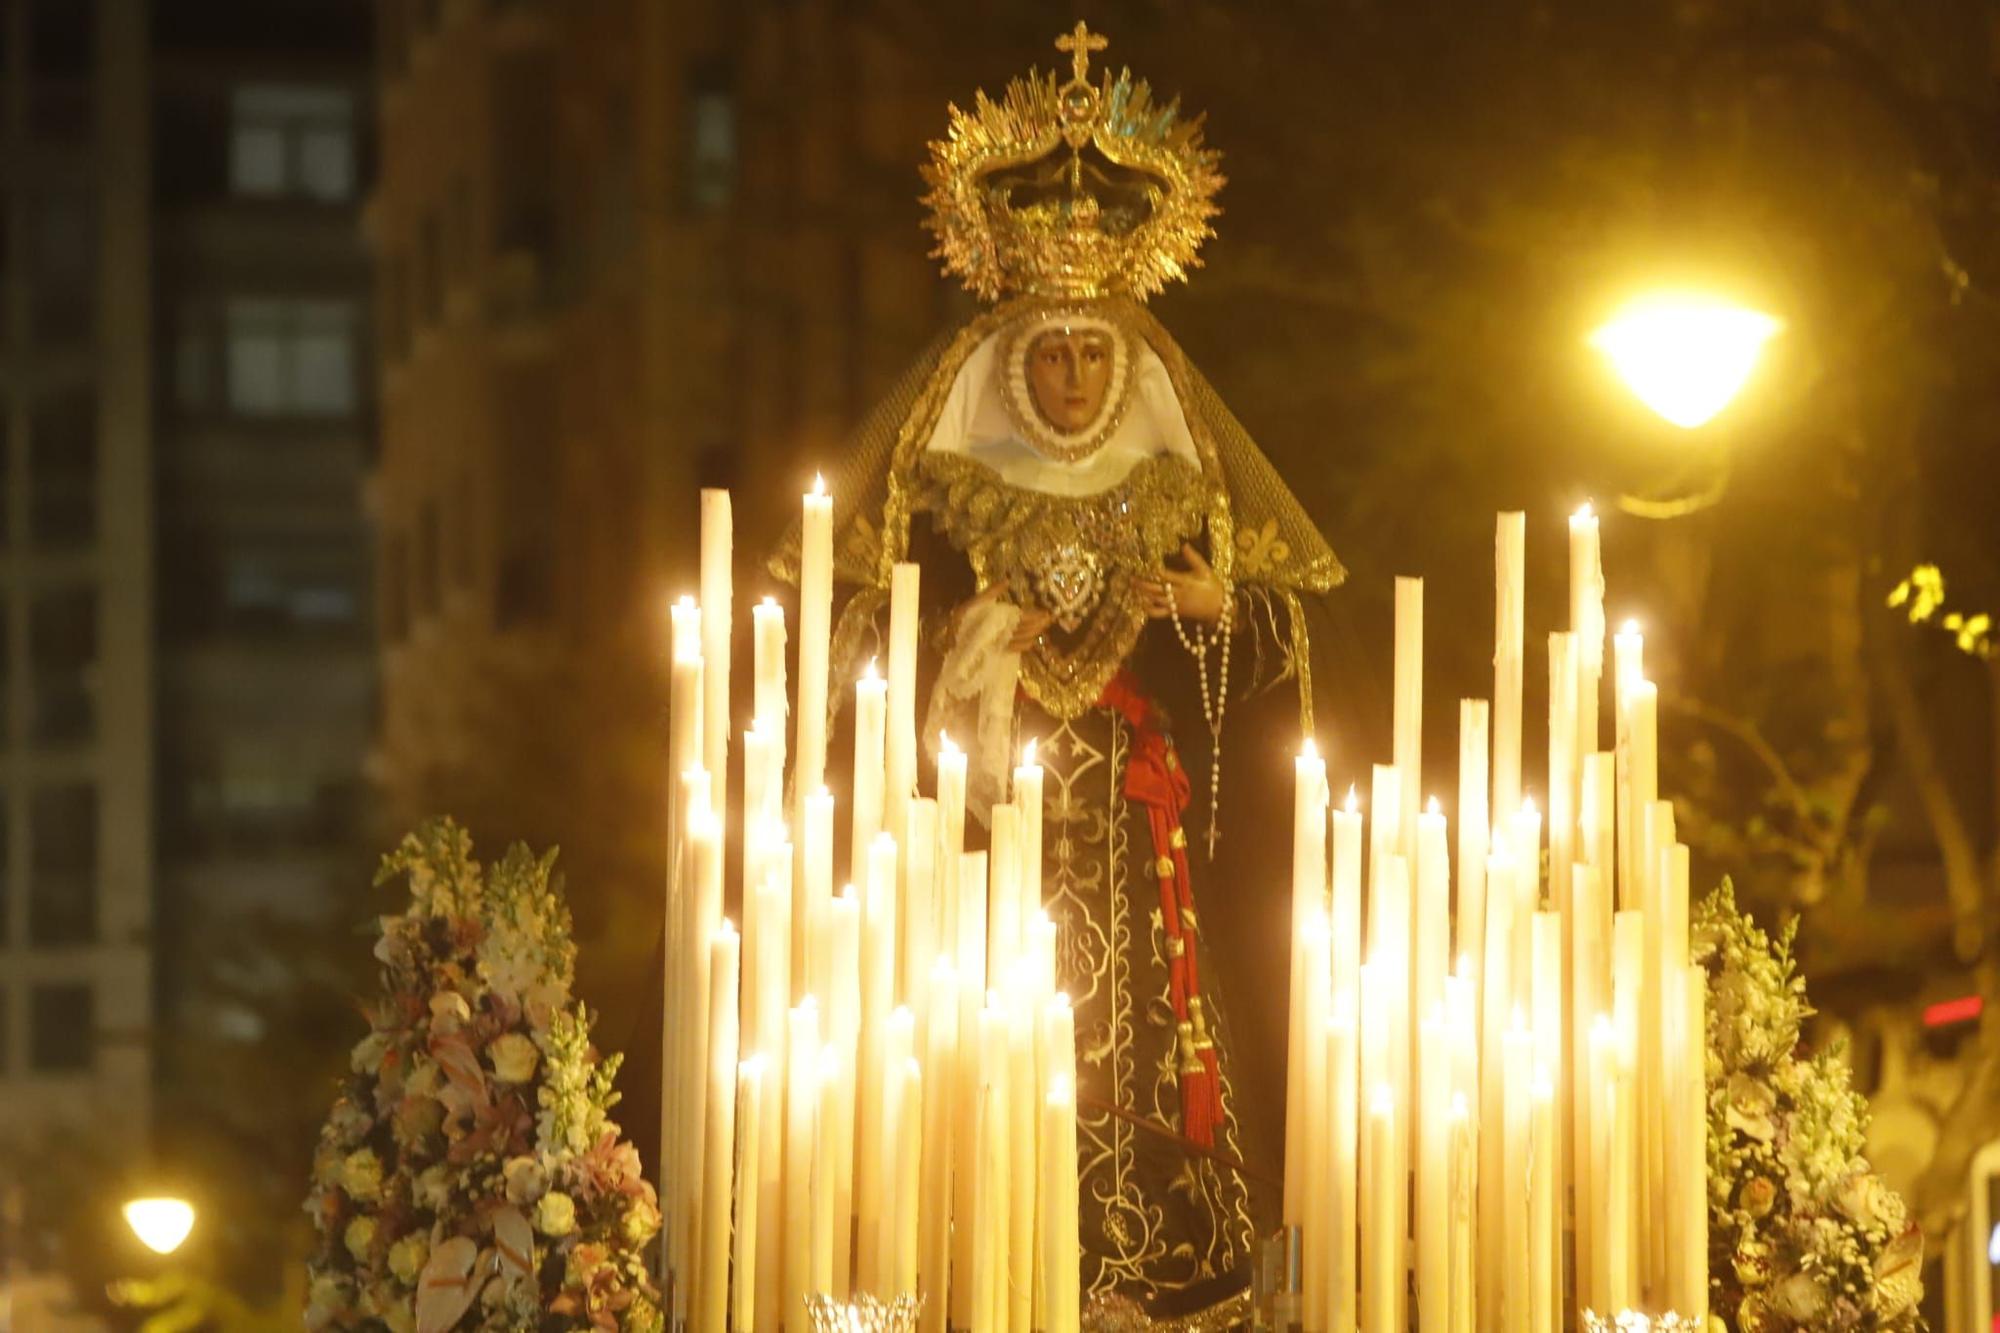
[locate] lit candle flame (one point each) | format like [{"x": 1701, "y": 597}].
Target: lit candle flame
[
  {"x": 726, "y": 931},
  {"x": 1028, "y": 755},
  {"x": 1384, "y": 1101},
  {"x": 870, "y": 673},
  {"x": 1630, "y": 628},
  {"x": 1309, "y": 751},
  {"x": 1353, "y": 801},
  {"x": 819, "y": 485},
  {"x": 1432, "y": 807},
  {"x": 769, "y": 600},
  {"x": 1586, "y": 512},
  {"x": 1527, "y": 805},
  {"x": 946, "y": 744}
]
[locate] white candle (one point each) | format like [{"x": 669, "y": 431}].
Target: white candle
[
  {"x": 879, "y": 1253},
  {"x": 1546, "y": 992},
  {"x": 1464, "y": 1182},
  {"x": 1544, "y": 1218},
  {"x": 1628, "y": 652},
  {"x": 1509, "y": 643},
  {"x": 1003, "y": 890},
  {"x": 1602, "y": 1277},
  {"x": 1345, "y": 919},
  {"x": 711, "y": 1291},
  {"x": 826, "y": 1150},
  {"x": 815, "y": 635},
  {"x": 1496, "y": 1008},
  {"x": 1316, "y": 1218},
  {"x": 1587, "y": 999},
  {"x": 801, "y": 1133},
  {"x": 1694, "y": 1148},
  {"x": 1060, "y": 1249},
  {"x": 909, "y": 1158},
  {"x": 768, "y": 699},
  {"x": 1343, "y": 1125},
  {"x": 744, "y": 1260},
  {"x": 1023, "y": 1126},
  {"x": 992, "y": 1176},
  {"x": 870, "y": 696},
  {"x": 1408, "y": 717},
  {"x": 900, "y": 774},
  {"x": 717, "y": 586},
  {"x": 919, "y": 943},
  {"x": 1433, "y": 1175},
  {"x": 769, "y": 1001},
  {"x": 1308, "y": 899},
  {"x": 1563, "y": 777},
  {"x": 878, "y": 952},
  {"x": 1586, "y": 621},
  {"x": 967, "y": 1295},
  {"x": 1628, "y": 952},
  {"x": 1028, "y": 799},
  {"x": 934, "y": 1214},
  {"x": 810, "y": 926},
  {"x": 1433, "y": 922},
  {"x": 950, "y": 839},
  {"x": 1474, "y": 824},
  {"x": 1518, "y": 1060},
  {"x": 844, "y": 1027},
  {"x": 1381, "y": 1239}
]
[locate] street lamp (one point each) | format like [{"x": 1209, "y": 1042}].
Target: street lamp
[
  {"x": 161, "y": 1224},
  {"x": 1685, "y": 355}
]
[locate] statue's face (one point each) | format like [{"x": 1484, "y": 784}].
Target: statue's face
[{"x": 1069, "y": 373}]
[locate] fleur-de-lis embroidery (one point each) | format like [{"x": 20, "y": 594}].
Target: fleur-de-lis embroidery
[{"x": 1260, "y": 550}]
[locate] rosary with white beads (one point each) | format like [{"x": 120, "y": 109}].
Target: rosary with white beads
[{"x": 1213, "y": 703}]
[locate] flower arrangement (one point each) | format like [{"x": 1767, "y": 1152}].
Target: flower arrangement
[
  {"x": 469, "y": 1175},
  {"x": 1802, "y": 1234}
]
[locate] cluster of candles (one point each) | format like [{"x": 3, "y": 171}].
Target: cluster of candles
[
  {"x": 1519, "y": 1136},
  {"x": 869, "y": 1092}
]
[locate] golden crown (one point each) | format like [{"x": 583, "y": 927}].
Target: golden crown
[{"x": 1071, "y": 190}]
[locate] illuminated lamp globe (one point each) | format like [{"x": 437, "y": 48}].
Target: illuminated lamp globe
[
  {"x": 160, "y": 1224},
  {"x": 1685, "y": 355}
]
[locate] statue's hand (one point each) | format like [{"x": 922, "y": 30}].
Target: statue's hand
[
  {"x": 1198, "y": 594},
  {"x": 1026, "y": 631}
]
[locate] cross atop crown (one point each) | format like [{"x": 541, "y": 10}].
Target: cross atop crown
[{"x": 1080, "y": 42}]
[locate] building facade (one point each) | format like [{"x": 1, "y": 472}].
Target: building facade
[
  {"x": 185, "y": 424},
  {"x": 623, "y": 249}
]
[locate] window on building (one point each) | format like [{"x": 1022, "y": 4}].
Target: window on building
[
  {"x": 62, "y": 262},
  {"x": 290, "y": 357},
  {"x": 62, "y": 463},
  {"x": 62, "y": 657},
  {"x": 524, "y": 587},
  {"x": 194, "y": 359},
  {"x": 711, "y": 149},
  {"x": 523, "y": 203},
  {"x": 288, "y": 141},
  {"x": 62, "y": 879},
  {"x": 62, "y": 1028}
]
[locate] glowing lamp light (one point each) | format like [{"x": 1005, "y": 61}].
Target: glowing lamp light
[
  {"x": 160, "y": 1224},
  {"x": 1685, "y": 355},
  {"x": 1947, "y": 1012}
]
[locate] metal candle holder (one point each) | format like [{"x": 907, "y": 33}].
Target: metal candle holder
[{"x": 863, "y": 1314}]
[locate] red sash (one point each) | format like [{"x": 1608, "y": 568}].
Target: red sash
[{"x": 1155, "y": 779}]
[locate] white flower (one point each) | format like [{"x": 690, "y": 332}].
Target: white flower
[
  {"x": 326, "y": 1301},
  {"x": 407, "y": 1256},
  {"x": 514, "y": 1057},
  {"x": 368, "y": 1053},
  {"x": 449, "y": 1011},
  {"x": 425, "y": 1078},
  {"x": 1862, "y": 1197},
  {"x": 361, "y": 1175},
  {"x": 432, "y": 1187},
  {"x": 526, "y": 1181},
  {"x": 350, "y": 1122},
  {"x": 555, "y": 1215},
  {"x": 359, "y": 1236}
]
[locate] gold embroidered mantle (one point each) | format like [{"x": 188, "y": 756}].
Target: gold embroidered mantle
[{"x": 1075, "y": 557}]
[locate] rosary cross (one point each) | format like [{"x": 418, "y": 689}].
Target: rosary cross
[{"x": 1080, "y": 44}]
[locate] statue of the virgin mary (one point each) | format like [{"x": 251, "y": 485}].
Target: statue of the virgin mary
[{"x": 1097, "y": 534}]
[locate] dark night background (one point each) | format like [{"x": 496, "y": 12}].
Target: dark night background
[{"x": 359, "y": 362}]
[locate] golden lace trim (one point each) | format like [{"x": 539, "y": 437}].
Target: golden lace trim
[{"x": 1035, "y": 540}]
